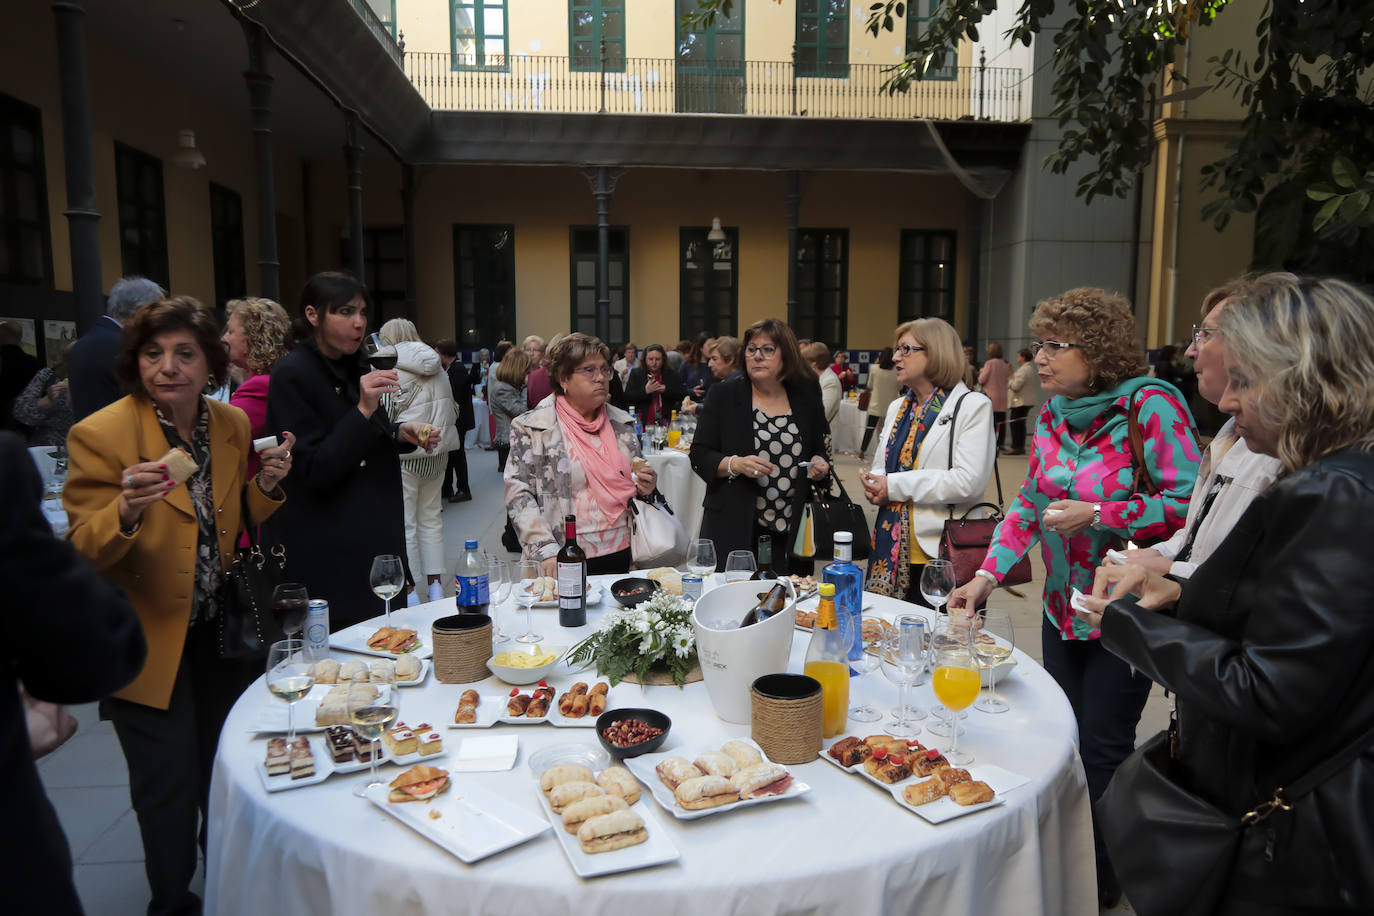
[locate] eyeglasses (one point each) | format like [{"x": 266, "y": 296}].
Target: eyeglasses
[
  {"x": 765, "y": 351},
  {"x": 905, "y": 350},
  {"x": 1202, "y": 333},
  {"x": 1052, "y": 348},
  {"x": 592, "y": 373}
]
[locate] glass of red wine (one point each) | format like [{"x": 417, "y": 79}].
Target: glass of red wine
[
  {"x": 290, "y": 602},
  {"x": 381, "y": 354}
]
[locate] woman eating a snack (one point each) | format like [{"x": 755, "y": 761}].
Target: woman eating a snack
[
  {"x": 759, "y": 438},
  {"x": 156, "y": 496},
  {"x": 573, "y": 455},
  {"x": 1085, "y": 492}
]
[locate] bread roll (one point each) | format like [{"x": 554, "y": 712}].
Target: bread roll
[
  {"x": 381, "y": 672},
  {"x": 567, "y": 772},
  {"x": 705, "y": 792},
  {"x": 578, "y": 812},
  {"x": 743, "y": 753},
  {"x": 354, "y": 671},
  {"x": 620, "y": 782},
  {"x": 407, "y": 668},
  {"x": 564, "y": 794},
  {"x": 611, "y": 831},
  {"x": 714, "y": 763},
  {"x": 327, "y": 671}
]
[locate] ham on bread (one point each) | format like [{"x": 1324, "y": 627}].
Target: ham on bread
[
  {"x": 761, "y": 779},
  {"x": 676, "y": 770},
  {"x": 418, "y": 783},
  {"x": 705, "y": 792}
]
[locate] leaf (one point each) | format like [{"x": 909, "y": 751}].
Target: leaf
[
  {"x": 1325, "y": 214},
  {"x": 1344, "y": 172},
  {"x": 1321, "y": 192}
]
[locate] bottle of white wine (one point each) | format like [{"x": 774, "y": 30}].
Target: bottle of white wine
[
  {"x": 765, "y": 570},
  {"x": 572, "y": 578}
]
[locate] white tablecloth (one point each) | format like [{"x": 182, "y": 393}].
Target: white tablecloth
[
  {"x": 683, "y": 489},
  {"x": 843, "y": 847},
  {"x": 847, "y": 430},
  {"x": 480, "y": 434}
]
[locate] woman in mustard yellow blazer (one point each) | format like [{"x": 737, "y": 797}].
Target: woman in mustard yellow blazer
[{"x": 168, "y": 544}]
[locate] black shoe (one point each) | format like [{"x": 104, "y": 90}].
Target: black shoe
[
  {"x": 1108, "y": 889},
  {"x": 460, "y": 497}
]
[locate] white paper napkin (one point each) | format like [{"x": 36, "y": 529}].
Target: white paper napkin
[{"x": 485, "y": 754}]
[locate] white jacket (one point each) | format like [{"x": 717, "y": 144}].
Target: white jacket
[
  {"x": 425, "y": 396},
  {"x": 830, "y": 394},
  {"x": 933, "y": 485}
]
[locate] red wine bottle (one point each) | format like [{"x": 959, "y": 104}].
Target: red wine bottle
[{"x": 572, "y": 578}]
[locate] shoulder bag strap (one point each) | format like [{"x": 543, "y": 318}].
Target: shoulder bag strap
[
  {"x": 1284, "y": 798},
  {"x": 953, "y": 428}
]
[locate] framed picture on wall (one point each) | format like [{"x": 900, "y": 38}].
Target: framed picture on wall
[{"x": 57, "y": 337}]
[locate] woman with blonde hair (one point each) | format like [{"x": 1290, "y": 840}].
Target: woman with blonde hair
[
  {"x": 817, "y": 354},
  {"x": 507, "y": 398},
  {"x": 257, "y": 333},
  {"x": 425, "y": 398},
  {"x": 1267, "y": 645},
  {"x": 1080, "y": 499},
  {"x": 935, "y": 452}
]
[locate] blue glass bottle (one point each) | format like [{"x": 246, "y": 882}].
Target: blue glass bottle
[{"x": 849, "y": 589}]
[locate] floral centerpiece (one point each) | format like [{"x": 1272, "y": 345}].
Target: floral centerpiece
[{"x": 657, "y": 632}]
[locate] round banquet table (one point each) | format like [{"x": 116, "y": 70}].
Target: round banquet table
[
  {"x": 480, "y": 431},
  {"x": 846, "y": 433},
  {"x": 680, "y": 485},
  {"x": 845, "y": 846}
]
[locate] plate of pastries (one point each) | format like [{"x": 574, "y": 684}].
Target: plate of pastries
[
  {"x": 303, "y": 762},
  {"x": 921, "y": 778},
  {"x": 574, "y": 706},
  {"x": 601, "y": 819},
  {"x": 712, "y": 780}
]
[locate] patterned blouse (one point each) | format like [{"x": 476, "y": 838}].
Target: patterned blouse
[
  {"x": 1093, "y": 464},
  {"x": 780, "y": 438},
  {"x": 209, "y": 572}
]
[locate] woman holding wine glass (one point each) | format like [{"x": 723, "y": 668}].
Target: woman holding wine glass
[
  {"x": 348, "y": 476},
  {"x": 167, "y": 544}
]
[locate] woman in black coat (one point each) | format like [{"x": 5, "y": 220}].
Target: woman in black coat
[
  {"x": 1268, "y": 645},
  {"x": 344, "y": 497},
  {"x": 654, "y": 389},
  {"x": 759, "y": 436}
]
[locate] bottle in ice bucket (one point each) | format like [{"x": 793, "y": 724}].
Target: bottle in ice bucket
[
  {"x": 827, "y": 661},
  {"x": 471, "y": 586},
  {"x": 848, "y": 580},
  {"x": 765, "y": 570}
]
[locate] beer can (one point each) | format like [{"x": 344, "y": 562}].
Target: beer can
[
  {"x": 317, "y": 628},
  {"x": 691, "y": 588}
]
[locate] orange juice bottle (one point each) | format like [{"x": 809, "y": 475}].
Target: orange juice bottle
[
  {"x": 674, "y": 431},
  {"x": 827, "y": 661}
]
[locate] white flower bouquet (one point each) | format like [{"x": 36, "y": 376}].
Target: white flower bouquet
[{"x": 634, "y": 639}]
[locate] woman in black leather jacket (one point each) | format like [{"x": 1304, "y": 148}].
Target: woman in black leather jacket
[{"x": 1269, "y": 645}]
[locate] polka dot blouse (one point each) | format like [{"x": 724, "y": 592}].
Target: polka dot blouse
[{"x": 780, "y": 439}]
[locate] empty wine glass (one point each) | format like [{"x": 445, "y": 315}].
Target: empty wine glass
[
  {"x": 992, "y": 644},
  {"x": 956, "y": 679},
  {"x": 864, "y": 663},
  {"x": 701, "y": 558},
  {"x": 289, "y": 677},
  {"x": 937, "y": 581},
  {"x": 903, "y": 660},
  {"x": 527, "y": 593},
  {"x": 498, "y": 578},
  {"x": 372, "y": 709},
  {"x": 740, "y": 564},
  {"x": 387, "y": 579}
]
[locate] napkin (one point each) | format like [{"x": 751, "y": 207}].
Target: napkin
[{"x": 485, "y": 754}]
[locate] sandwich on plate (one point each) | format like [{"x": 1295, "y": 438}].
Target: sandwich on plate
[{"x": 419, "y": 783}]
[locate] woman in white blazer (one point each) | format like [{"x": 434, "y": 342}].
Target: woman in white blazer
[{"x": 913, "y": 481}]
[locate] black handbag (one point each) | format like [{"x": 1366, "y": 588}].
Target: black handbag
[
  {"x": 245, "y": 628},
  {"x": 826, "y": 513},
  {"x": 1173, "y": 851}
]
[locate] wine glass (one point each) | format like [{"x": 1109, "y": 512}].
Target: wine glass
[
  {"x": 701, "y": 558},
  {"x": 739, "y": 565},
  {"x": 387, "y": 579},
  {"x": 903, "y": 659},
  {"x": 498, "y": 578},
  {"x": 290, "y": 604},
  {"x": 956, "y": 678},
  {"x": 371, "y": 712},
  {"x": 992, "y": 646},
  {"x": 289, "y": 677},
  {"x": 527, "y": 593},
  {"x": 937, "y": 581},
  {"x": 381, "y": 354},
  {"x": 864, "y": 663}
]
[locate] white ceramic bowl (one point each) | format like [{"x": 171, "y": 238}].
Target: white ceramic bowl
[{"x": 522, "y": 676}]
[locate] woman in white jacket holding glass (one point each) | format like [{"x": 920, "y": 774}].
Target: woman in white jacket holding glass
[
  {"x": 426, "y": 397},
  {"x": 934, "y": 456}
]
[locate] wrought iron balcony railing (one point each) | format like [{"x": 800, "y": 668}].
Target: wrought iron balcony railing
[{"x": 528, "y": 83}]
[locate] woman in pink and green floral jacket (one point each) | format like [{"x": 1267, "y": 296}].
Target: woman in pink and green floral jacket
[{"x": 1078, "y": 501}]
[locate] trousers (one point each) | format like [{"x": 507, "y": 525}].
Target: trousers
[{"x": 423, "y": 497}]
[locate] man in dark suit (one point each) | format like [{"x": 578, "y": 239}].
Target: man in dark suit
[
  {"x": 90, "y": 364},
  {"x": 462, "y": 398},
  {"x": 100, "y": 649}
]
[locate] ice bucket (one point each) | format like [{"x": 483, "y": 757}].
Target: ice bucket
[{"x": 733, "y": 657}]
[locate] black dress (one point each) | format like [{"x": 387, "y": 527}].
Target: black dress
[
  {"x": 343, "y": 504},
  {"x": 670, "y": 397},
  {"x": 725, "y": 426}
]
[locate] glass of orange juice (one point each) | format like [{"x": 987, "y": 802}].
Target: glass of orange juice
[{"x": 955, "y": 677}]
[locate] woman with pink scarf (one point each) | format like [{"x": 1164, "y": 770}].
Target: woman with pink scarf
[{"x": 574, "y": 455}]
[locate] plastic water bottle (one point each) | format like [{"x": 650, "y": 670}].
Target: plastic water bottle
[
  {"x": 471, "y": 587},
  {"x": 849, "y": 588}
]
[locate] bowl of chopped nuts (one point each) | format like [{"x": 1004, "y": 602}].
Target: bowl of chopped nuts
[{"x": 630, "y": 732}]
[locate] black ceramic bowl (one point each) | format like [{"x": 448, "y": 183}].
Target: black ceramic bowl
[
  {"x": 651, "y": 716},
  {"x": 639, "y": 589}
]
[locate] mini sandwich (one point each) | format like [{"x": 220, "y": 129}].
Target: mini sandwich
[
  {"x": 180, "y": 465},
  {"x": 419, "y": 783},
  {"x": 381, "y": 638},
  {"x": 390, "y": 639},
  {"x": 705, "y": 792},
  {"x": 761, "y": 779},
  {"x": 565, "y": 794},
  {"x": 353, "y": 671},
  {"x": 407, "y": 668},
  {"x": 743, "y": 753},
  {"x": 576, "y": 814},
  {"x": 714, "y": 763},
  {"x": 676, "y": 770},
  {"x": 568, "y": 772},
  {"x": 327, "y": 671},
  {"x": 611, "y": 831},
  {"x": 620, "y": 782},
  {"x": 382, "y": 671}
]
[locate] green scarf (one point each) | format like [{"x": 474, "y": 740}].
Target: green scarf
[{"x": 1079, "y": 413}]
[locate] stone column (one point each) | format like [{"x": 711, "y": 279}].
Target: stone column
[
  {"x": 408, "y": 184},
  {"x": 83, "y": 219},
  {"x": 353, "y": 158},
  {"x": 260, "y": 115},
  {"x": 792, "y": 196}
]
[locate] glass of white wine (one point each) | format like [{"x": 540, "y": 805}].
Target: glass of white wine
[
  {"x": 289, "y": 677},
  {"x": 387, "y": 579},
  {"x": 371, "y": 713},
  {"x": 992, "y": 644}
]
